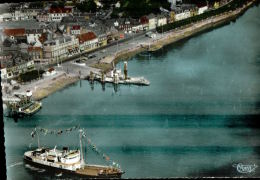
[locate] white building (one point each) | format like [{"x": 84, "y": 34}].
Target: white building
[
  {"x": 5, "y": 17},
  {"x": 152, "y": 21},
  {"x": 33, "y": 35},
  {"x": 201, "y": 10},
  {"x": 161, "y": 20},
  {"x": 88, "y": 41},
  {"x": 183, "y": 15},
  {"x": 58, "y": 48},
  {"x": 117, "y": 5},
  {"x": 56, "y": 14}
]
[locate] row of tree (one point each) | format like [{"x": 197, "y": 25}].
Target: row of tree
[
  {"x": 138, "y": 8},
  {"x": 128, "y": 8},
  {"x": 30, "y": 75},
  {"x": 229, "y": 7}
]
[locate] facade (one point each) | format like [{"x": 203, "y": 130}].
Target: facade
[
  {"x": 201, "y": 10},
  {"x": 56, "y": 14},
  {"x": 152, "y": 21},
  {"x": 102, "y": 40},
  {"x": 123, "y": 25},
  {"x": 144, "y": 21},
  {"x": 182, "y": 15},
  {"x": 75, "y": 30},
  {"x": 58, "y": 48},
  {"x": 43, "y": 17},
  {"x": 35, "y": 53},
  {"x": 87, "y": 41},
  {"x": 5, "y": 17},
  {"x": 33, "y": 35},
  {"x": 161, "y": 20},
  {"x": 14, "y": 71}
]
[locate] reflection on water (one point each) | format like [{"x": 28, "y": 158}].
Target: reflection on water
[{"x": 198, "y": 117}]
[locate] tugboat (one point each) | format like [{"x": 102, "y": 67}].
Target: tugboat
[{"x": 69, "y": 161}]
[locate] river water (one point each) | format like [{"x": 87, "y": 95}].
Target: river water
[{"x": 198, "y": 117}]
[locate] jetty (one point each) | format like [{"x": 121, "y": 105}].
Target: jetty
[{"x": 116, "y": 77}]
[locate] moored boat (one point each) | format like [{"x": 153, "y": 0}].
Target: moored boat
[{"x": 69, "y": 162}]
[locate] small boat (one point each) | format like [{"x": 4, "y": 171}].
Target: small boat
[{"x": 70, "y": 162}]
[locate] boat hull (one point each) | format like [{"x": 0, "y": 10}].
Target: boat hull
[{"x": 69, "y": 172}]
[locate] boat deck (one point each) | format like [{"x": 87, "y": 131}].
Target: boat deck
[{"x": 98, "y": 171}]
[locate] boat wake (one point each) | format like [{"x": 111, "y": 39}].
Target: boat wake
[
  {"x": 15, "y": 164},
  {"x": 34, "y": 168}
]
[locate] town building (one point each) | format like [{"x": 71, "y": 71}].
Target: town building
[
  {"x": 16, "y": 34},
  {"x": 161, "y": 20},
  {"x": 87, "y": 41},
  {"x": 144, "y": 21},
  {"x": 55, "y": 49},
  {"x": 14, "y": 64},
  {"x": 184, "y": 11},
  {"x": 56, "y": 14},
  {"x": 152, "y": 21},
  {"x": 43, "y": 17},
  {"x": 33, "y": 35},
  {"x": 202, "y": 8}
]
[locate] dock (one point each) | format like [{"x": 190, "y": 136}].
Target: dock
[{"x": 115, "y": 76}]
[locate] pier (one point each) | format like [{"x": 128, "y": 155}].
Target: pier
[{"x": 116, "y": 77}]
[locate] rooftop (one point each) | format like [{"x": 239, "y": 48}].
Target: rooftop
[
  {"x": 86, "y": 37},
  {"x": 60, "y": 10},
  {"x": 14, "y": 32}
]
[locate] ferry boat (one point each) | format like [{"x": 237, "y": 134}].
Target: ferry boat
[
  {"x": 25, "y": 106},
  {"x": 30, "y": 108},
  {"x": 69, "y": 161}
]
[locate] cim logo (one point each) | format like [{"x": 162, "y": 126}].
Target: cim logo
[{"x": 245, "y": 168}]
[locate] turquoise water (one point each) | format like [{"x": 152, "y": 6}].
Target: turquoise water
[{"x": 197, "y": 118}]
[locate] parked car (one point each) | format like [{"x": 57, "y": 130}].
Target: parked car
[{"x": 91, "y": 56}]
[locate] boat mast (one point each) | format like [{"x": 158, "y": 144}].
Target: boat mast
[{"x": 81, "y": 151}]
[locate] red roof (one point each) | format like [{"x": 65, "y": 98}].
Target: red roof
[
  {"x": 31, "y": 48},
  {"x": 43, "y": 37},
  {"x": 14, "y": 32},
  {"x": 77, "y": 27},
  {"x": 60, "y": 10},
  {"x": 86, "y": 37},
  {"x": 51, "y": 69},
  {"x": 144, "y": 20}
]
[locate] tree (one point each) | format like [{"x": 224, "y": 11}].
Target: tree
[{"x": 87, "y": 6}]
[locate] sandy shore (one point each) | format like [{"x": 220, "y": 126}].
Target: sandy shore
[{"x": 54, "y": 85}]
